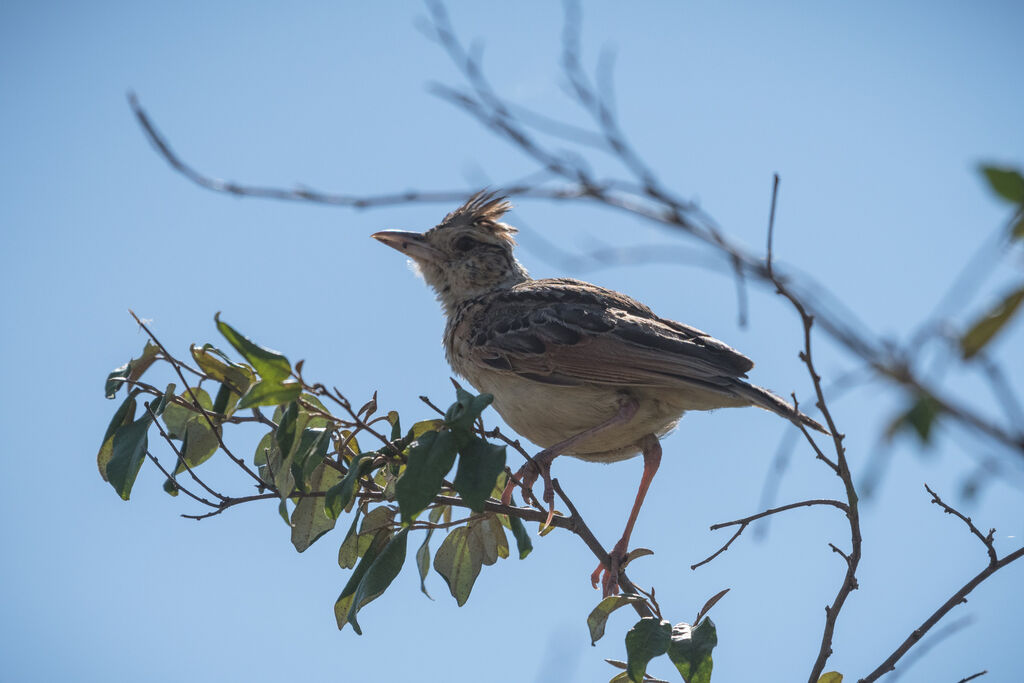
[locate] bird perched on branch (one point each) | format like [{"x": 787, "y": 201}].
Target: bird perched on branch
[{"x": 575, "y": 368}]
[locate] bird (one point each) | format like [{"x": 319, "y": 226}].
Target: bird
[{"x": 575, "y": 368}]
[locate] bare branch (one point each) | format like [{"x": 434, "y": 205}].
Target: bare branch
[
  {"x": 987, "y": 539},
  {"x": 957, "y": 598},
  {"x": 745, "y": 521}
]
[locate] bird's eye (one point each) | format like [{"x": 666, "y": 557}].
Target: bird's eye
[{"x": 464, "y": 243}]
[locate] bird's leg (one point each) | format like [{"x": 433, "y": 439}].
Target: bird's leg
[
  {"x": 609, "y": 576},
  {"x": 541, "y": 463}
]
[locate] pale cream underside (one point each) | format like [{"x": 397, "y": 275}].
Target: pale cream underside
[{"x": 547, "y": 414}]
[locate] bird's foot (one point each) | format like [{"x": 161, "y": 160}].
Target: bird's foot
[
  {"x": 527, "y": 475},
  {"x": 608, "y": 576}
]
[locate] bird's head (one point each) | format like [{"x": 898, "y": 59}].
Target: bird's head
[{"x": 467, "y": 254}]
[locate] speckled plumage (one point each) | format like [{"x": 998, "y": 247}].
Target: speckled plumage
[
  {"x": 559, "y": 355},
  {"x": 563, "y": 357}
]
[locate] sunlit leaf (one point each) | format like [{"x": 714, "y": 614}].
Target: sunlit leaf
[
  {"x": 424, "y": 426},
  {"x": 216, "y": 364},
  {"x": 488, "y": 541},
  {"x": 598, "y": 618},
  {"x": 272, "y": 366},
  {"x": 177, "y": 416},
  {"x": 831, "y": 677},
  {"x": 423, "y": 561},
  {"x": 309, "y": 519},
  {"x": 982, "y": 332},
  {"x": 649, "y": 638},
  {"x": 267, "y": 393},
  {"x": 458, "y": 561},
  {"x": 480, "y": 463},
  {"x": 348, "y": 553},
  {"x": 690, "y": 650},
  {"x": 198, "y": 446}
]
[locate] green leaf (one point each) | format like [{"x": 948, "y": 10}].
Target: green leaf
[
  {"x": 159, "y": 405},
  {"x": 343, "y": 605},
  {"x": 458, "y": 560},
  {"x": 285, "y": 434},
  {"x": 500, "y": 539},
  {"x": 919, "y": 417},
  {"x": 309, "y": 519},
  {"x": 831, "y": 677},
  {"x": 982, "y": 332},
  {"x": 348, "y": 551},
  {"x": 429, "y": 460},
  {"x": 466, "y": 409},
  {"x": 268, "y": 393},
  {"x": 282, "y": 511},
  {"x": 124, "y": 415},
  {"x": 131, "y": 370},
  {"x": 488, "y": 540},
  {"x": 480, "y": 463},
  {"x": 396, "y": 425},
  {"x": 523, "y": 543},
  {"x": 171, "y": 487},
  {"x": 177, "y": 416},
  {"x": 339, "y": 495},
  {"x": 386, "y": 566},
  {"x": 649, "y": 638},
  {"x": 424, "y": 426},
  {"x": 690, "y": 650},
  {"x": 129, "y": 450},
  {"x": 198, "y": 446},
  {"x": 226, "y": 401},
  {"x": 309, "y": 454},
  {"x": 423, "y": 561},
  {"x": 271, "y": 365},
  {"x": 218, "y": 366},
  {"x": 1005, "y": 182},
  {"x": 598, "y": 617}
]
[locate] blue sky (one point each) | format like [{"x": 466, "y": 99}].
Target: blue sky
[{"x": 874, "y": 114}]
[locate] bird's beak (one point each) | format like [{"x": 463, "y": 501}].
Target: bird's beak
[{"x": 412, "y": 244}]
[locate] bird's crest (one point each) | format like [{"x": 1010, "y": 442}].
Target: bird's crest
[{"x": 483, "y": 209}]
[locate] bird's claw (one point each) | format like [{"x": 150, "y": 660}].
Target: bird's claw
[
  {"x": 527, "y": 475},
  {"x": 608, "y": 576}
]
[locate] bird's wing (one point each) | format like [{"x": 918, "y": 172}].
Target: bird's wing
[{"x": 567, "y": 332}]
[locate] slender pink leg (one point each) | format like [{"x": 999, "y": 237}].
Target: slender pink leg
[
  {"x": 541, "y": 465},
  {"x": 609, "y": 576}
]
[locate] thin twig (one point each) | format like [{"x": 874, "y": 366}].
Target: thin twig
[
  {"x": 987, "y": 539},
  {"x": 745, "y": 521},
  {"x": 959, "y": 597}
]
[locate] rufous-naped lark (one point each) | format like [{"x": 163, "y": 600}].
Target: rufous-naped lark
[{"x": 575, "y": 368}]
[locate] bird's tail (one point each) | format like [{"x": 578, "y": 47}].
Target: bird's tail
[{"x": 762, "y": 398}]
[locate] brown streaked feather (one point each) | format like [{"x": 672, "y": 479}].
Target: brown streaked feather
[{"x": 565, "y": 332}]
